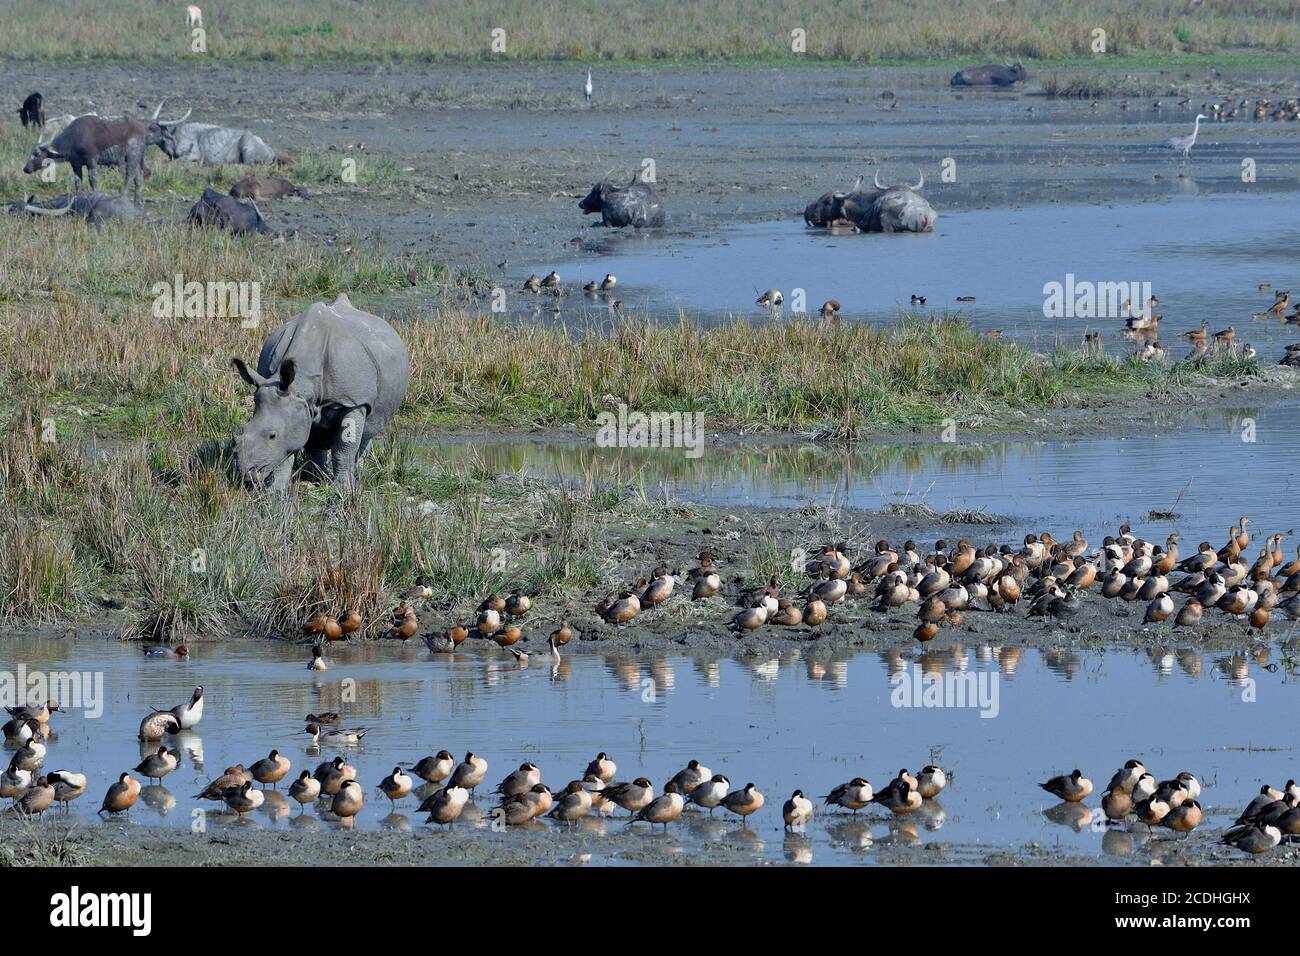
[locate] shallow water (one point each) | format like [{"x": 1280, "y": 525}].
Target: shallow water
[
  {"x": 1199, "y": 469},
  {"x": 782, "y": 723},
  {"x": 1002, "y": 256}
]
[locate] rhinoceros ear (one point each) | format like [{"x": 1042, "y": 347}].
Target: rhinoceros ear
[
  {"x": 288, "y": 369},
  {"x": 246, "y": 373}
]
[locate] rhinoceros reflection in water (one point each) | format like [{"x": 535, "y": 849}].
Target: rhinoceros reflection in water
[{"x": 879, "y": 209}]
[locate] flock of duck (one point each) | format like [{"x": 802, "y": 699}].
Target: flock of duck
[
  {"x": 448, "y": 786},
  {"x": 1142, "y": 326}
]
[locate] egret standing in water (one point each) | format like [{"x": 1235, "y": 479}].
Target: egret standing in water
[
  {"x": 586, "y": 90},
  {"x": 1184, "y": 144}
]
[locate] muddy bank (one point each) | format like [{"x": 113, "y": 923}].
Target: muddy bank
[{"x": 700, "y": 841}]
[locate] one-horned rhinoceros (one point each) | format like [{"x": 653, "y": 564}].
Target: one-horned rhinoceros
[
  {"x": 327, "y": 382},
  {"x": 879, "y": 209},
  {"x": 636, "y": 204}
]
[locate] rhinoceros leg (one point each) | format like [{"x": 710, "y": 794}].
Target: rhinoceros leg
[
  {"x": 347, "y": 447},
  {"x": 319, "y": 464}
]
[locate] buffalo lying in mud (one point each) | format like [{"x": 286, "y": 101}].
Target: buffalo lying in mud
[
  {"x": 266, "y": 187},
  {"x": 636, "y": 204},
  {"x": 210, "y": 145},
  {"x": 95, "y": 208},
  {"x": 224, "y": 212},
  {"x": 991, "y": 74},
  {"x": 879, "y": 209},
  {"x": 32, "y": 112},
  {"x": 327, "y": 382}
]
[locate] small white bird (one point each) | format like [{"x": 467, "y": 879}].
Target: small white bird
[{"x": 586, "y": 90}]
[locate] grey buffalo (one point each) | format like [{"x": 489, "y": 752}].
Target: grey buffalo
[
  {"x": 877, "y": 209},
  {"x": 636, "y": 204},
  {"x": 211, "y": 145},
  {"x": 990, "y": 74},
  {"x": 327, "y": 382},
  {"x": 225, "y": 212},
  {"x": 94, "y": 208}
]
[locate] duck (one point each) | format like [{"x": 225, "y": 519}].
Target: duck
[
  {"x": 436, "y": 768},
  {"x": 121, "y": 796},
  {"x": 707, "y": 580},
  {"x": 335, "y": 737},
  {"x": 574, "y": 804},
  {"x": 350, "y": 623},
  {"x": 931, "y": 781},
  {"x": 517, "y": 604},
  {"x": 40, "y": 713},
  {"x": 854, "y": 795},
  {"x": 744, "y": 802},
  {"x": 663, "y": 809},
  {"x": 772, "y": 298},
  {"x": 22, "y": 729},
  {"x": 36, "y": 799},
  {"x": 608, "y": 282},
  {"x": 270, "y": 769},
  {"x": 170, "y": 653},
  {"x": 1184, "y": 818},
  {"x": 1197, "y": 338},
  {"x": 404, "y": 628},
  {"x": 420, "y": 591},
  {"x": 659, "y": 589},
  {"x": 157, "y": 725},
  {"x": 396, "y": 785},
  {"x": 446, "y": 806},
  {"x": 1159, "y": 609},
  {"x": 1127, "y": 776},
  {"x": 349, "y": 800},
  {"x": 750, "y": 618},
  {"x": 633, "y": 796},
  {"x": 230, "y": 777},
  {"x": 243, "y": 799},
  {"x": 157, "y": 765},
  {"x": 830, "y": 310},
  {"x": 787, "y": 615},
  {"x": 691, "y": 776},
  {"x": 190, "y": 713},
  {"x": 1117, "y": 803},
  {"x": 469, "y": 773},
  {"x": 1071, "y": 787},
  {"x": 1258, "y": 838},
  {"x": 711, "y": 792},
  {"x": 551, "y": 281},
  {"x": 305, "y": 790},
  {"x": 14, "y": 781},
  {"x": 507, "y": 636},
  {"x": 625, "y": 606},
  {"x": 324, "y": 717},
  {"x": 67, "y": 784},
  {"x": 797, "y": 811},
  {"x": 900, "y": 795},
  {"x": 325, "y": 626},
  {"x": 532, "y": 284},
  {"x": 520, "y": 781},
  {"x": 317, "y": 662},
  {"x": 603, "y": 767},
  {"x": 814, "y": 611},
  {"x": 446, "y": 641}
]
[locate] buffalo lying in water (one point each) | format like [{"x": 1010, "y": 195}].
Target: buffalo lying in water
[
  {"x": 879, "y": 209},
  {"x": 990, "y": 74},
  {"x": 636, "y": 204},
  {"x": 94, "y": 208}
]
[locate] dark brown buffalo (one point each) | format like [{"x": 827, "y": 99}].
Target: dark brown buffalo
[
  {"x": 224, "y": 212},
  {"x": 991, "y": 74},
  {"x": 83, "y": 143},
  {"x": 32, "y": 112}
]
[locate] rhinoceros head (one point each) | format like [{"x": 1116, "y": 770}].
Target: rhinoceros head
[{"x": 280, "y": 426}]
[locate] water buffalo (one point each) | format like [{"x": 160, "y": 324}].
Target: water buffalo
[
  {"x": 32, "y": 112},
  {"x": 327, "y": 382},
  {"x": 879, "y": 209},
  {"x": 90, "y": 141},
  {"x": 266, "y": 187},
  {"x": 94, "y": 208},
  {"x": 225, "y": 212},
  {"x": 636, "y": 204},
  {"x": 211, "y": 145},
  {"x": 991, "y": 74}
]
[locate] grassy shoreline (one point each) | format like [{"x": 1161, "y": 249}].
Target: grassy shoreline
[{"x": 590, "y": 31}]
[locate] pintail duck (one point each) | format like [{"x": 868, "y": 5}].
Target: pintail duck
[
  {"x": 243, "y": 799},
  {"x": 36, "y": 799},
  {"x": 469, "y": 773},
  {"x": 830, "y": 309},
  {"x": 190, "y": 713},
  {"x": 664, "y": 808},
  {"x": 14, "y": 781},
  {"x": 711, "y": 792},
  {"x": 608, "y": 282},
  {"x": 900, "y": 795},
  {"x": 631, "y": 796},
  {"x": 435, "y": 769},
  {"x": 1071, "y": 787},
  {"x": 122, "y": 795},
  {"x": 306, "y": 789},
  {"x": 1117, "y": 803},
  {"x": 67, "y": 784},
  {"x": 744, "y": 802},
  {"x": 797, "y": 811},
  {"x": 659, "y": 589},
  {"x": 1257, "y": 838},
  {"x": 317, "y": 662},
  {"x": 854, "y": 795},
  {"x": 532, "y": 284},
  {"x": 270, "y": 769},
  {"x": 772, "y": 298},
  {"x": 1127, "y": 776},
  {"x": 691, "y": 776},
  {"x": 573, "y": 805},
  {"x": 750, "y": 618},
  {"x": 20, "y": 730},
  {"x": 551, "y": 281},
  {"x": 623, "y": 609},
  {"x": 520, "y": 781},
  {"x": 446, "y": 805},
  {"x": 157, "y": 725},
  {"x": 787, "y": 615},
  {"x": 157, "y": 765},
  {"x": 39, "y": 713},
  {"x": 603, "y": 767},
  {"x": 348, "y": 801},
  {"x": 447, "y": 641},
  {"x": 396, "y": 785},
  {"x": 333, "y": 774},
  {"x": 232, "y": 777},
  {"x": 335, "y": 737},
  {"x": 707, "y": 580},
  {"x": 931, "y": 781}
]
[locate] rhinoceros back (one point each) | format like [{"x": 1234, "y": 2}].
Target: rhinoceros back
[{"x": 343, "y": 356}]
